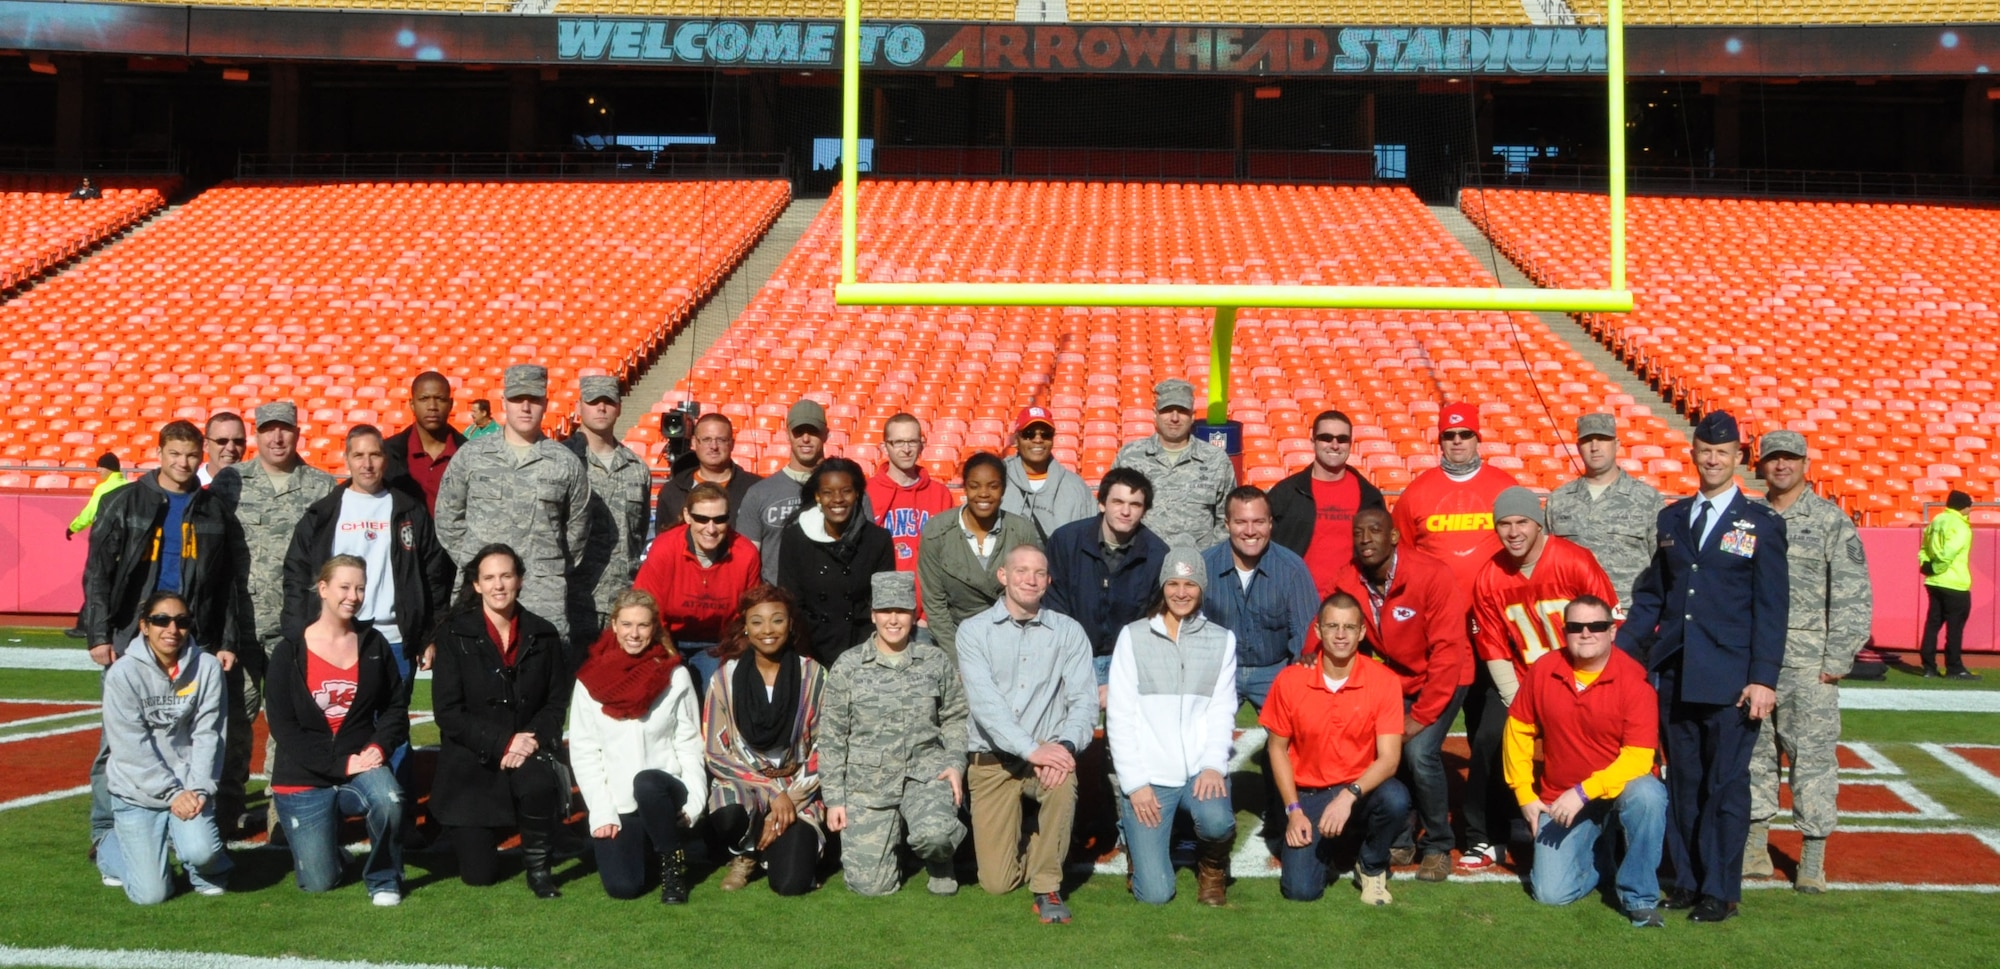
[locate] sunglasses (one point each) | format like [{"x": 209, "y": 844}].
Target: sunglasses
[
  {"x": 1457, "y": 436},
  {"x": 707, "y": 519},
  {"x": 1038, "y": 431},
  {"x": 1600, "y": 626},
  {"x": 1333, "y": 438},
  {"x": 229, "y": 441},
  {"x": 161, "y": 620}
]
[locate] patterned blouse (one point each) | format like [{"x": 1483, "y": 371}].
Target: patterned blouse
[{"x": 739, "y": 772}]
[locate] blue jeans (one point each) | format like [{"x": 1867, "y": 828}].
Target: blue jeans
[
  {"x": 312, "y": 827},
  {"x": 1102, "y": 664},
  {"x": 135, "y": 852},
  {"x": 1423, "y": 772},
  {"x": 404, "y": 668},
  {"x": 1376, "y": 820},
  {"x": 1253, "y": 683},
  {"x": 1150, "y": 849},
  {"x": 702, "y": 664},
  {"x": 1567, "y": 862}
]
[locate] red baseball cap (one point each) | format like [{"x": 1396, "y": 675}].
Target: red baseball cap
[
  {"x": 1033, "y": 415},
  {"x": 1459, "y": 416}
]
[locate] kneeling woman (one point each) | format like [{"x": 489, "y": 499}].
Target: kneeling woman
[
  {"x": 500, "y": 685},
  {"x": 759, "y": 726},
  {"x": 163, "y": 709},
  {"x": 1169, "y": 710},
  {"x": 338, "y": 704},
  {"x": 635, "y": 744}
]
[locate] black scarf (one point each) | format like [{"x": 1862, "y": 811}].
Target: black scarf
[{"x": 765, "y": 723}]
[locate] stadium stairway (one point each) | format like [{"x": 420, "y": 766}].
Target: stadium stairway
[
  {"x": 735, "y": 292},
  {"x": 1567, "y": 330}
]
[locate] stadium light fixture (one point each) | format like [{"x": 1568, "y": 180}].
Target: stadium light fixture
[{"x": 1227, "y": 299}]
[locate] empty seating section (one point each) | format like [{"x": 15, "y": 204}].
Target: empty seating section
[
  {"x": 968, "y": 369},
  {"x": 1791, "y": 11},
  {"x": 1869, "y": 327},
  {"x": 334, "y": 296},
  {"x": 1337, "y": 12},
  {"x": 40, "y": 225},
  {"x": 798, "y": 9},
  {"x": 456, "y": 6}
]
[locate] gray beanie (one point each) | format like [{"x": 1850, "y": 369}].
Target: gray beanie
[
  {"x": 1518, "y": 502},
  {"x": 1184, "y": 563}
]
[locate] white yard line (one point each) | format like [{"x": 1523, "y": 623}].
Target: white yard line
[
  {"x": 1971, "y": 771},
  {"x": 1878, "y": 764},
  {"x": 68, "y": 958},
  {"x": 54, "y": 703},
  {"x": 1931, "y": 701},
  {"x": 52, "y": 732},
  {"x": 52, "y": 658},
  {"x": 71, "y": 715},
  {"x": 34, "y": 799}
]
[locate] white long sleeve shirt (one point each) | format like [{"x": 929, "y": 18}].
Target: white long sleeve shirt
[{"x": 1170, "y": 709}]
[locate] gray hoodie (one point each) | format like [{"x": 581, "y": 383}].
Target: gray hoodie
[
  {"x": 165, "y": 734},
  {"x": 1064, "y": 498}
]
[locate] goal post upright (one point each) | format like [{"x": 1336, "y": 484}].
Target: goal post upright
[{"x": 1227, "y": 299}]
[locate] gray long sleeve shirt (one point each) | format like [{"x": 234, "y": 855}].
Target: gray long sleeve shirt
[
  {"x": 1026, "y": 683},
  {"x": 165, "y": 734}
]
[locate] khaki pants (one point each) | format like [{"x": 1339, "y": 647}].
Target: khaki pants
[{"x": 997, "y": 793}]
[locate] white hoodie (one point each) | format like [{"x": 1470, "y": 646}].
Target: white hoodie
[{"x": 1170, "y": 710}]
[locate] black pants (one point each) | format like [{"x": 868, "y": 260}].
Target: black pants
[
  {"x": 1708, "y": 748},
  {"x": 788, "y": 862},
  {"x": 1489, "y": 803},
  {"x": 1949, "y": 608},
  {"x": 532, "y": 787},
  {"x": 655, "y": 828}
]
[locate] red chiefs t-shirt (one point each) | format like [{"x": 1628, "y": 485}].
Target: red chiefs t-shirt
[
  {"x": 1332, "y": 547},
  {"x": 333, "y": 690},
  {"x": 1519, "y": 617},
  {"x": 1453, "y": 520}
]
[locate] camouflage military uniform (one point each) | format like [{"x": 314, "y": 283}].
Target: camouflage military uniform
[
  {"x": 539, "y": 505},
  {"x": 1188, "y": 493},
  {"x": 268, "y": 510},
  {"x": 1830, "y": 620},
  {"x": 888, "y": 727},
  {"x": 620, "y": 505},
  {"x": 1617, "y": 526}
]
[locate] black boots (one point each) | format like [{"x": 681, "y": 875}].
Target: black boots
[
  {"x": 674, "y": 878},
  {"x": 535, "y": 837}
]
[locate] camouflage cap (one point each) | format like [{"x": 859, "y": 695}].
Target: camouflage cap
[
  {"x": 894, "y": 590},
  {"x": 278, "y": 412},
  {"x": 1781, "y": 442},
  {"x": 1596, "y": 425},
  {"x": 600, "y": 388},
  {"x": 526, "y": 380},
  {"x": 1173, "y": 393}
]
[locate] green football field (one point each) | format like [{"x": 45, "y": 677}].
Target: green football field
[{"x": 1917, "y": 865}]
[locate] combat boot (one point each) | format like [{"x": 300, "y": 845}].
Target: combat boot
[
  {"x": 1757, "y": 851},
  {"x": 1812, "y": 867}
]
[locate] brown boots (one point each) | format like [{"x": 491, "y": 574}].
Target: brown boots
[{"x": 1211, "y": 872}]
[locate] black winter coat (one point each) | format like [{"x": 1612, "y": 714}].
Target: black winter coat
[
  {"x": 423, "y": 571},
  {"x": 215, "y": 563},
  {"x": 396, "y": 472},
  {"x": 481, "y": 704},
  {"x": 309, "y": 753},
  {"x": 832, "y": 581},
  {"x": 1293, "y": 513}
]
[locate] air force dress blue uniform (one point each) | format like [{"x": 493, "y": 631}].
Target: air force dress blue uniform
[{"x": 1709, "y": 618}]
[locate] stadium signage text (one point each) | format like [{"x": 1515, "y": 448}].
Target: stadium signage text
[
  {"x": 760, "y": 43},
  {"x": 1277, "y": 50}
]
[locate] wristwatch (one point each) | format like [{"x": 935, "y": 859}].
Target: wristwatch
[{"x": 1355, "y": 789}]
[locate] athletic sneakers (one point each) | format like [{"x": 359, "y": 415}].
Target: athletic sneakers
[
  {"x": 1049, "y": 908},
  {"x": 1648, "y": 918},
  {"x": 113, "y": 882},
  {"x": 1374, "y": 888},
  {"x": 211, "y": 891},
  {"x": 1479, "y": 857},
  {"x": 944, "y": 878},
  {"x": 386, "y": 899}
]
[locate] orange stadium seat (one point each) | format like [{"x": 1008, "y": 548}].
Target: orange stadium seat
[
  {"x": 1798, "y": 314},
  {"x": 964, "y": 368},
  {"x": 40, "y": 225},
  {"x": 335, "y": 295}
]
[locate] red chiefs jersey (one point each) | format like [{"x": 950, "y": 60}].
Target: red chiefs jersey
[
  {"x": 1520, "y": 617},
  {"x": 1453, "y": 520}
]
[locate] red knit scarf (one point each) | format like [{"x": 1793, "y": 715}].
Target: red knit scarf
[{"x": 626, "y": 685}]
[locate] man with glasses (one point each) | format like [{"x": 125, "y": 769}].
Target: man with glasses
[
  {"x": 1448, "y": 510},
  {"x": 1709, "y": 617},
  {"x": 714, "y": 445},
  {"x": 1312, "y": 512},
  {"x": 1517, "y": 609},
  {"x": 697, "y": 572},
  {"x": 903, "y": 494},
  {"x": 1593, "y": 711},
  {"x": 621, "y": 498},
  {"x": 419, "y": 454},
  {"x": 1604, "y": 509},
  {"x": 772, "y": 503},
  {"x": 164, "y": 533},
  {"x": 226, "y": 440},
  {"x": 522, "y": 489},
  {"x": 268, "y": 497},
  {"x": 1038, "y": 486},
  {"x": 1191, "y": 479}
]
